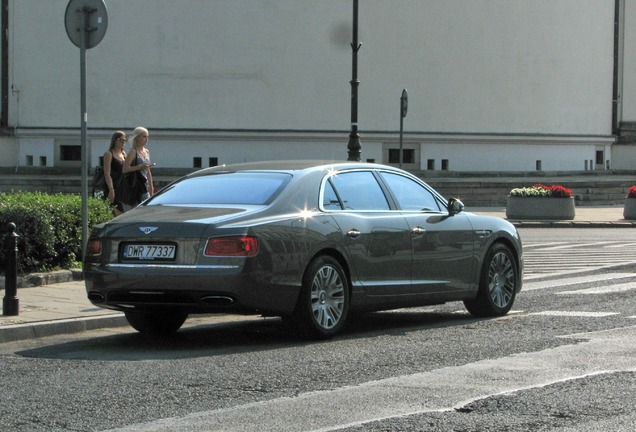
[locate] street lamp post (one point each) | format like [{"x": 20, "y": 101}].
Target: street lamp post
[
  {"x": 404, "y": 103},
  {"x": 354, "y": 147}
]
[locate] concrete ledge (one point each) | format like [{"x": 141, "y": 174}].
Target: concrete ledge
[
  {"x": 57, "y": 327},
  {"x": 570, "y": 224}
]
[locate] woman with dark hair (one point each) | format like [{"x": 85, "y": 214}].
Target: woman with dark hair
[{"x": 114, "y": 160}]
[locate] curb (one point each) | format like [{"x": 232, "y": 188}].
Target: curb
[
  {"x": 570, "y": 224},
  {"x": 40, "y": 329}
]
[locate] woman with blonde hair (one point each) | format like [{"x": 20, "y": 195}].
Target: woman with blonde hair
[
  {"x": 113, "y": 172},
  {"x": 138, "y": 160}
]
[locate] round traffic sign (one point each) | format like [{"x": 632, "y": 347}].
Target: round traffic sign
[
  {"x": 404, "y": 102},
  {"x": 86, "y": 17}
]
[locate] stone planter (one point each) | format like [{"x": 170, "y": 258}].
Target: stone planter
[
  {"x": 629, "y": 211},
  {"x": 539, "y": 208}
]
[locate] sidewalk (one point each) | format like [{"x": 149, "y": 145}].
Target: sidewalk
[
  {"x": 58, "y": 308},
  {"x": 59, "y": 305}
]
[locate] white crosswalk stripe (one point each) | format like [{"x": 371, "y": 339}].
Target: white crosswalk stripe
[
  {"x": 607, "y": 278},
  {"x": 605, "y": 289},
  {"x": 566, "y": 258}
]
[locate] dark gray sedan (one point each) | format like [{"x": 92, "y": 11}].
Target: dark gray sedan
[{"x": 307, "y": 241}]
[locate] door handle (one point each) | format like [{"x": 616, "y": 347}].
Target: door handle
[
  {"x": 418, "y": 230},
  {"x": 483, "y": 233},
  {"x": 353, "y": 233}
]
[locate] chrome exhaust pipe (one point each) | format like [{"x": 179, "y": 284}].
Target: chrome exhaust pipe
[
  {"x": 96, "y": 297},
  {"x": 218, "y": 300}
]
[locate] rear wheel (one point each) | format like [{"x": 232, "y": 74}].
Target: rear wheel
[
  {"x": 497, "y": 285},
  {"x": 323, "y": 304},
  {"x": 156, "y": 323}
]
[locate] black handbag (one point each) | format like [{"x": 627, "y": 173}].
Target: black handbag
[
  {"x": 136, "y": 186},
  {"x": 99, "y": 183}
]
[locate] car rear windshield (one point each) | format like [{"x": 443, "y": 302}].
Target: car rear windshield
[{"x": 224, "y": 188}]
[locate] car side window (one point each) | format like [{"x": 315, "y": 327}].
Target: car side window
[
  {"x": 409, "y": 194},
  {"x": 330, "y": 200},
  {"x": 359, "y": 190}
]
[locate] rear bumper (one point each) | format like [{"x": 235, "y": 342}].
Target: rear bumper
[{"x": 191, "y": 289}]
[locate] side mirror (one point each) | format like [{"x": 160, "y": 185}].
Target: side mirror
[{"x": 455, "y": 206}]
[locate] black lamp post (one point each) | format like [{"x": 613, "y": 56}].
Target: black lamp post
[{"x": 354, "y": 147}]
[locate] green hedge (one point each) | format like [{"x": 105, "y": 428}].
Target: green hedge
[{"x": 49, "y": 228}]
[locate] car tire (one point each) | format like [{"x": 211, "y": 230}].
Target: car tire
[
  {"x": 498, "y": 284},
  {"x": 156, "y": 323},
  {"x": 323, "y": 304}
]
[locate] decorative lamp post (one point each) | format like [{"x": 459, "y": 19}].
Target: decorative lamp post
[
  {"x": 354, "y": 147},
  {"x": 10, "y": 302},
  {"x": 404, "y": 104}
]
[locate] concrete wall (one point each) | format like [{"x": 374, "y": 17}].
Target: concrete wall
[
  {"x": 624, "y": 157},
  {"x": 512, "y": 157},
  {"x": 8, "y": 152},
  {"x": 194, "y": 70},
  {"x": 628, "y": 95},
  {"x": 477, "y": 66},
  {"x": 540, "y": 66}
]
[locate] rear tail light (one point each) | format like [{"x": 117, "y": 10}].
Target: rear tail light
[
  {"x": 243, "y": 246},
  {"x": 94, "y": 247}
]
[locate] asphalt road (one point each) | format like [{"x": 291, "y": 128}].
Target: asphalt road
[{"x": 561, "y": 360}]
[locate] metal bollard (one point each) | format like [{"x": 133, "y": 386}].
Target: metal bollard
[{"x": 11, "y": 303}]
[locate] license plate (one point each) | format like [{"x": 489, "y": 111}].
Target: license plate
[{"x": 149, "y": 252}]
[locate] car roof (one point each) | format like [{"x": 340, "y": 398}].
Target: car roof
[{"x": 291, "y": 165}]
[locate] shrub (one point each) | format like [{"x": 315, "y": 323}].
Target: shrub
[
  {"x": 541, "y": 190},
  {"x": 49, "y": 228}
]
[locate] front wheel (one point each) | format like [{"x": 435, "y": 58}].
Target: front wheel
[
  {"x": 156, "y": 323},
  {"x": 323, "y": 303},
  {"x": 498, "y": 284}
]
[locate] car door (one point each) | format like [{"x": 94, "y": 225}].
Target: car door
[
  {"x": 443, "y": 244},
  {"x": 377, "y": 237}
]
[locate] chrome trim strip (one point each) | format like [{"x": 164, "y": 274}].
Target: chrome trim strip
[
  {"x": 147, "y": 292},
  {"x": 399, "y": 283},
  {"x": 173, "y": 266},
  {"x": 429, "y": 282},
  {"x": 382, "y": 283}
]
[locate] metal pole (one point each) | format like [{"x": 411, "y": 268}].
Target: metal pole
[
  {"x": 84, "y": 120},
  {"x": 354, "y": 147},
  {"x": 11, "y": 303},
  {"x": 403, "y": 109},
  {"x": 401, "y": 133}
]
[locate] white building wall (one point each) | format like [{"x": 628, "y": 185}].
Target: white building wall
[
  {"x": 624, "y": 157},
  {"x": 239, "y": 64},
  {"x": 510, "y": 157},
  {"x": 36, "y": 151},
  {"x": 170, "y": 150},
  {"x": 629, "y": 63},
  {"x": 194, "y": 70},
  {"x": 540, "y": 66},
  {"x": 9, "y": 152}
]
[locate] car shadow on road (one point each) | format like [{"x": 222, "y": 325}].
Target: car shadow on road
[{"x": 245, "y": 336}]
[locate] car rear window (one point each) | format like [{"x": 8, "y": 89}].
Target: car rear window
[{"x": 224, "y": 188}]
